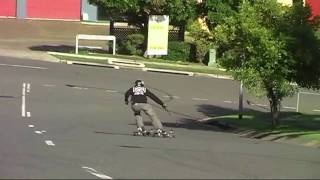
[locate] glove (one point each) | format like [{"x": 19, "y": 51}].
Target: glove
[{"x": 127, "y": 102}]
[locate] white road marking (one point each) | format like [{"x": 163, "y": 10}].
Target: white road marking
[
  {"x": 23, "y": 106},
  {"x": 316, "y": 110},
  {"x": 230, "y": 102},
  {"x": 49, "y": 143},
  {"x": 22, "y": 66},
  {"x": 28, "y": 114},
  {"x": 40, "y": 132},
  {"x": 49, "y": 85},
  {"x": 31, "y": 126},
  {"x": 96, "y": 173},
  {"x": 199, "y": 99},
  {"x": 287, "y": 107},
  {"x": 80, "y": 88},
  {"x": 111, "y": 91},
  {"x": 174, "y": 97},
  {"x": 28, "y": 88}
]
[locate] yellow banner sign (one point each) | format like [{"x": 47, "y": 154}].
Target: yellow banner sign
[{"x": 158, "y": 31}]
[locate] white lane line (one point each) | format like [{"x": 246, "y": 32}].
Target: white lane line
[
  {"x": 174, "y": 97},
  {"x": 111, "y": 91},
  {"x": 28, "y": 114},
  {"x": 28, "y": 88},
  {"x": 49, "y": 143},
  {"x": 230, "y": 102},
  {"x": 23, "y": 106},
  {"x": 316, "y": 110},
  {"x": 96, "y": 173},
  {"x": 80, "y": 88},
  {"x": 287, "y": 107},
  {"x": 22, "y": 66},
  {"x": 31, "y": 126},
  {"x": 40, "y": 132},
  {"x": 200, "y": 99},
  {"x": 49, "y": 85}
]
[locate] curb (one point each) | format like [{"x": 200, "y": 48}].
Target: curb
[
  {"x": 168, "y": 71},
  {"x": 90, "y": 64},
  {"x": 124, "y": 63}
]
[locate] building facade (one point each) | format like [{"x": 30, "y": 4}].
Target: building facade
[{"x": 48, "y": 9}]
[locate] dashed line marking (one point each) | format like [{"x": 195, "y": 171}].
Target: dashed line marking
[
  {"x": 28, "y": 114},
  {"x": 49, "y": 85},
  {"x": 111, "y": 91},
  {"x": 31, "y": 126},
  {"x": 49, "y": 143},
  {"x": 174, "y": 97},
  {"x": 80, "y": 88},
  {"x": 200, "y": 99},
  {"x": 28, "y": 88},
  {"x": 316, "y": 110},
  {"x": 40, "y": 132},
  {"x": 96, "y": 173}
]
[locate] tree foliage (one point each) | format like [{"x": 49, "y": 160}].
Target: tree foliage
[
  {"x": 268, "y": 47},
  {"x": 137, "y": 11}
]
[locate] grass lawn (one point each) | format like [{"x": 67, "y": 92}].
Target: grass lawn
[{"x": 303, "y": 127}]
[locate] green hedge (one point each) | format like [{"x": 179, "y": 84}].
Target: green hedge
[
  {"x": 180, "y": 51},
  {"x": 132, "y": 45}
]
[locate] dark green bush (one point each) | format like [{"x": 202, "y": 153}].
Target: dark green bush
[
  {"x": 179, "y": 51},
  {"x": 132, "y": 45}
]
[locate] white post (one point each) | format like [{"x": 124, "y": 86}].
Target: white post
[
  {"x": 77, "y": 45},
  {"x": 114, "y": 46},
  {"x": 298, "y": 101}
]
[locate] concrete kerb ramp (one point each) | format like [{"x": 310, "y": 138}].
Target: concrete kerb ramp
[{"x": 126, "y": 63}]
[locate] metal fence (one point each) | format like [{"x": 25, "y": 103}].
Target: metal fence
[{"x": 122, "y": 33}]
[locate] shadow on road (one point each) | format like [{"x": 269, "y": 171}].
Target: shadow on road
[
  {"x": 62, "y": 49},
  {"x": 55, "y": 48}
]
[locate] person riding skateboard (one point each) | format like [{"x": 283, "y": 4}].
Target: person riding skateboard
[{"x": 139, "y": 94}]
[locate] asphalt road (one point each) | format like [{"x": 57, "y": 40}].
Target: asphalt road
[{"x": 63, "y": 121}]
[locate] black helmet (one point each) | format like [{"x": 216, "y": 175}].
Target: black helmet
[{"x": 139, "y": 83}]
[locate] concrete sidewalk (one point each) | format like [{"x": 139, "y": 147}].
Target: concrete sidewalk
[{"x": 33, "y": 38}]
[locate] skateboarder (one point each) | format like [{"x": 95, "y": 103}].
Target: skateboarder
[{"x": 139, "y": 94}]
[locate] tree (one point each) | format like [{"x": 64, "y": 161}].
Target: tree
[
  {"x": 137, "y": 11},
  {"x": 269, "y": 47}
]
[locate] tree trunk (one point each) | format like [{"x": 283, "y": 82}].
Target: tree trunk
[
  {"x": 275, "y": 102},
  {"x": 275, "y": 111}
]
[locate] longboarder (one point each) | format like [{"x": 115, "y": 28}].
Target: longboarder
[{"x": 139, "y": 94}]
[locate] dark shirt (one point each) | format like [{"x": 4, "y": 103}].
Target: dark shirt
[{"x": 140, "y": 94}]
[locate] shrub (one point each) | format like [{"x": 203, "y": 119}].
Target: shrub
[
  {"x": 179, "y": 51},
  {"x": 133, "y": 45}
]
